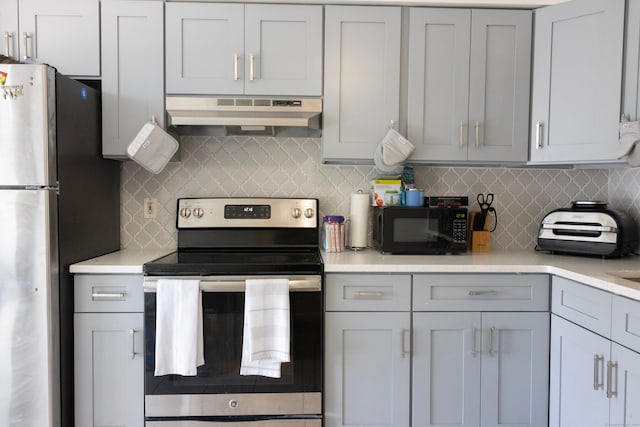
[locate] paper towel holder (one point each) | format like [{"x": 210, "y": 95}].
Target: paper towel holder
[{"x": 350, "y": 225}]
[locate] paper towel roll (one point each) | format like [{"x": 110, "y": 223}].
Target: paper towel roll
[{"x": 359, "y": 218}]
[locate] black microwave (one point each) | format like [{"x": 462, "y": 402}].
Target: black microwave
[{"x": 420, "y": 230}]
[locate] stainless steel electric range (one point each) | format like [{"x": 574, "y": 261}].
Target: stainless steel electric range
[{"x": 223, "y": 242}]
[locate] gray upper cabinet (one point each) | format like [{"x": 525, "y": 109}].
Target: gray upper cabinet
[
  {"x": 236, "y": 49},
  {"x": 362, "y": 79},
  {"x": 631, "y": 93},
  {"x": 577, "y": 73},
  {"x": 9, "y": 29},
  {"x": 38, "y": 37},
  {"x": 468, "y": 84},
  {"x": 132, "y": 70}
]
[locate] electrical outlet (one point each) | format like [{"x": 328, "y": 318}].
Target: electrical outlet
[{"x": 150, "y": 206}]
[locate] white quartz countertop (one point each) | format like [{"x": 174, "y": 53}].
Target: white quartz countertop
[
  {"x": 127, "y": 261},
  {"x": 595, "y": 272}
]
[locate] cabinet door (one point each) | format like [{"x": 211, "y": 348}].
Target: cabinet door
[
  {"x": 361, "y": 79},
  {"x": 9, "y": 29},
  {"x": 283, "y": 50},
  {"x": 204, "y": 48},
  {"x": 500, "y": 80},
  {"x": 109, "y": 370},
  {"x": 626, "y": 383},
  {"x": 578, "y": 374},
  {"x": 438, "y": 82},
  {"x": 132, "y": 71},
  {"x": 446, "y": 369},
  {"x": 577, "y": 81},
  {"x": 367, "y": 369},
  {"x": 631, "y": 103},
  {"x": 515, "y": 369},
  {"x": 64, "y": 34}
]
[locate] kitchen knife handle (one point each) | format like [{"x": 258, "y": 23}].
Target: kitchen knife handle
[
  {"x": 133, "y": 353},
  {"x": 477, "y": 134},
  {"x": 596, "y": 371},
  {"x": 461, "y": 133},
  {"x": 235, "y": 67},
  {"x": 539, "y": 127},
  {"x": 251, "y": 61},
  {"x": 7, "y": 36},
  {"x": 610, "y": 392},
  {"x": 25, "y": 45}
]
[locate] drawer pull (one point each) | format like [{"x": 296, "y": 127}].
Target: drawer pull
[
  {"x": 610, "y": 392},
  {"x": 596, "y": 371},
  {"x": 107, "y": 295},
  {"x": 133, "y": 353},
  {"x": 482, "y": 293},
  {"x": 368, "y": 294}
]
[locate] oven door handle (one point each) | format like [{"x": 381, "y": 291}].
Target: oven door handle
[{"x": 237, "y": 284}]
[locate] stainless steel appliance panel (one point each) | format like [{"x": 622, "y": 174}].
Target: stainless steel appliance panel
[
  {"x": 27, "y": 125},
  {"x": 261, "y": 423},
  {"x": 29, "y": 366}
]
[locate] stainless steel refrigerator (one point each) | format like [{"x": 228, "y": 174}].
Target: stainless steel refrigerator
[{"x": 59, "y": 204}]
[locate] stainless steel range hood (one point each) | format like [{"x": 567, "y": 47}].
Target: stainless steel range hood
[{"x": 243, "y": 111}]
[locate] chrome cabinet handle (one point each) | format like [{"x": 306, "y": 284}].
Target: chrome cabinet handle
[
  {"x": 107, "y": 295},
  {"x": 492, "y": 332},
  {"x": 251, "y": 60},
  {"x": 7, "y": 36},
  {"x": 368, "y": 294},
  {"x": 474, "y": 348},
  {"x": 477, "y": 134},
  {"x": 481, "y": 293},
  {"x": 404, "y": 351},
  {"x": 596, "y": 371},
  {"x": 133, "y": 353},
  {"x": 610, "y": 366},
  {"x": 461, "y": 133},
  {"x": 25, "y": 45},
  {"x": 235, "y": 67},
  {"x": 539, "y": 127}
]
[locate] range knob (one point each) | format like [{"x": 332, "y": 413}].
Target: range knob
[
  {"x": 233, "y": 404},
  {"x": 295, "y": 212},
  {"x": 185, "y": 212},
  {"x": 308, "y": 213},
  {"x": 198, "y": 212}
]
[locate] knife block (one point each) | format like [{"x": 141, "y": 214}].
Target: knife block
[{"x": 480, "y": 239}]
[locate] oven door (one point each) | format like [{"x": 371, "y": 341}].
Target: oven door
[{"x": 218, "y": 393}]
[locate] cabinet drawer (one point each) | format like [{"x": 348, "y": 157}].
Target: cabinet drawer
[
  {"x": 108, "y": 293},
  {"x": 484, "y": 292},
  {"x": 582, "y": 304},
  {"x": 368, "y": 292},
  {"x": 625, "y": 322}
]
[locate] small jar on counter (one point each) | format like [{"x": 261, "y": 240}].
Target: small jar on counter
[{"x": 333, "y": 233}]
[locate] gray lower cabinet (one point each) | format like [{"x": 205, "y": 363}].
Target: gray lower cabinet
[
  {"x": 477, "y": 347},
  {"x": 361, "y": 79},
  {"x": 132, "y": 71},
  {"x": 595, "y": 363},
  {"x": 367, "y": 350},
  {"x": 468, "y": 84},
  {"x": 480, "y": 368},
  {"x": 108, "y": 350},
  {"x": 577, "y": 81}
]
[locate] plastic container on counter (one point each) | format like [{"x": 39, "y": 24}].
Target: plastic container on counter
[{"x": 333, "y": 233}]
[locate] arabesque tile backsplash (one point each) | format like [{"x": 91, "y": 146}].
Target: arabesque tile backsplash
[{"x": 291, "y": 167}]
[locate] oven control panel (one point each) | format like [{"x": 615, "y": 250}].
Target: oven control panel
[{"x": 247, "y": 213}]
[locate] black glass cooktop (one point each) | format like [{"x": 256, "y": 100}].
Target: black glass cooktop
[{"x": 229, "y": 262}]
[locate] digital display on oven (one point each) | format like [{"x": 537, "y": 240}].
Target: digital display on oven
[{"x": 247, "y": 211}]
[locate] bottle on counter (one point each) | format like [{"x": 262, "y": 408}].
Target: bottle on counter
[{"x": 333, "y": 233}]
